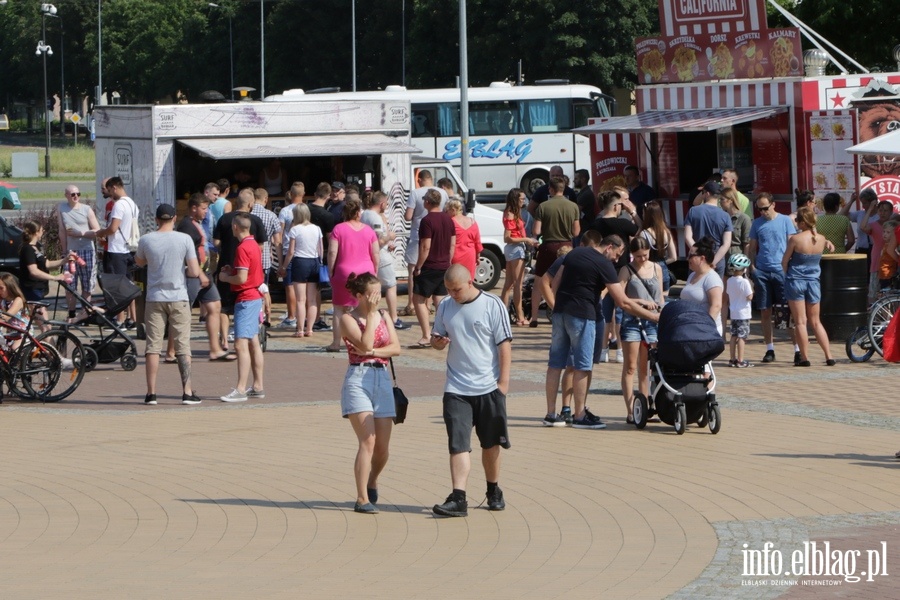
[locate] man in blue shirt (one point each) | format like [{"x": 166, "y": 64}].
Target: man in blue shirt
[
  {"x": 768, "y": 242},
  {"x": 706, "y": 218}
]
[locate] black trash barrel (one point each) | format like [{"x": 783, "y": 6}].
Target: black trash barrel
[{"x": 845, "y": 283}]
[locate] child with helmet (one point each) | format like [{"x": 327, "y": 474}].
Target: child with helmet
[{"x": 740, "y": 293}]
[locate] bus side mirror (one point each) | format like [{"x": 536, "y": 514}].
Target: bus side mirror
[{"x": 470, "y": 201}]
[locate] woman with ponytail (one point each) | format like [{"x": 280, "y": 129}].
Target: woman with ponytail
[{"x": 801, "y": 284}]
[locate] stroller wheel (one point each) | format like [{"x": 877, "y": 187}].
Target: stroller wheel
[
  {"x": 639, "y": 410},
  {"x": 715, "y": 418},
  {"x": 90, "y": 359},
  {"x": 680, "y": 418},
  {"x": 129, "y": 361}
]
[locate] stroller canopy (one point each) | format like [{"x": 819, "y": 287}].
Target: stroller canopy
[{"x": 688, "y": 338}]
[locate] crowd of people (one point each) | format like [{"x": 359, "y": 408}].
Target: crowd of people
[{"x": 601, "y": 264}]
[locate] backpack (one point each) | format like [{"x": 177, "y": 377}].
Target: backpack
[{"x": 132, "y": 241}]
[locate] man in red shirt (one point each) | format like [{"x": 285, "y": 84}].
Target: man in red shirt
[
  {"x": 245, "y": 277},
  {"x": 437, "y": 241}
]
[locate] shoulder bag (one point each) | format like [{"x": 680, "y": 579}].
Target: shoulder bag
[{"x": 401, "y": 402}]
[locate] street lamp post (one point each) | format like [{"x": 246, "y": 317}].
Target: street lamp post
[
  {"x": 230, "y": 47},
  {"x": 45, "y": 49},
  {"x": 99, "y": 51},
  {"x": 262, "y": 52}
]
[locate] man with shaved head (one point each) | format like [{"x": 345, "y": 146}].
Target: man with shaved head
[{"x": 474, "y": 325}]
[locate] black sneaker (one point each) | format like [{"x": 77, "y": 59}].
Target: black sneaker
[
  {"x": 452, "y": 507},
  {"x": 321, "y": 325},
  {"x": 797, "y": 358},
  {"x": 613, "y": 344},
  {"x": 129, "y": 324},
  {"x": 769, "y": 357},
  {"x": 588, "y": 421},
  {"x": 553, "y": 421},
  {"x": 193, "y": 398},
  {"x": 150, "y": 399},
  {"x": 566, "y": 415},
  {"x": 495, "y": 500}
]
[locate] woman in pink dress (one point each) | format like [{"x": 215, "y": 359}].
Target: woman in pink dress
[
  {"x": 353, "y": 249},
  {"x": 468, "y": 237}
]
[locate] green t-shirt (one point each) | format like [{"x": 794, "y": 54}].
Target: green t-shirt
[
  {"x": 834, "y": 228},
  {"x": 557, "y": 215}
]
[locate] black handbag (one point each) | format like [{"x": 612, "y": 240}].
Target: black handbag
[{"x": 401, "y": 402}]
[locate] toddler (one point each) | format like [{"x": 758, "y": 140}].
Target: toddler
[{"x": 740, "y": 293}]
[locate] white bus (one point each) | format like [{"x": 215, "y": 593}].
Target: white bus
[{"x": 516, "y": 133}]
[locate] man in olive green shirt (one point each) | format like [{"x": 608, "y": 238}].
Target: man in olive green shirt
[{"x": 557, "y": 222}]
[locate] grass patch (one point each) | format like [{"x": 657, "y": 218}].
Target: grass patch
[{"x": 65, "y": 159}]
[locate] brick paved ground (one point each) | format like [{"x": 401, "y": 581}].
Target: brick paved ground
[{"x": 103, "y": 497}]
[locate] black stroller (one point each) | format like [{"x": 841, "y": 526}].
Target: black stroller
[
  {"x": 113, "y": 342},
  {"x": 682, "y": 380}
]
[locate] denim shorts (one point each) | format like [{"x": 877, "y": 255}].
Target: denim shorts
[
  {"x": 367, "y": 389},
  {"x": 768, "y": 288},
  {"x": 514, "y": 251},
  {"x": 246, "y": 318},
  {"x": 630, "y": 330},
  {"x": 572, "y": 338},
  {"x": 608, "y": 305},
  {"x": 807, "y": 290}
]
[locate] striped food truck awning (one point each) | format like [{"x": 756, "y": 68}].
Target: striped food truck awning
[{"x": 678, "y": 121}]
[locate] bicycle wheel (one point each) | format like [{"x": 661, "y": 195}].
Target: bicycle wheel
[
  {"x": 74, "y": 362},
  {"x": 880, "y": 316},
  {"x": 35, "y": 370},
  {"x": 858, "y": 346}
]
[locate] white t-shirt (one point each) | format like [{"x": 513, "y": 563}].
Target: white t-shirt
[
  {"x": 695, "y": 291},
  {"x": 127, "y": 212},
  {"x": 286, "y": 216},
  {"x": 739, "y": 290},
  {"x": 416, "y": 201},
  {"x": 308, "y": 238},
  {"x": 475, "y": 330}
]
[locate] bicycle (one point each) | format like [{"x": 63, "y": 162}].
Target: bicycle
[
  {"x": 35, "y": 367},
  {"x": 880, "y": 314}
]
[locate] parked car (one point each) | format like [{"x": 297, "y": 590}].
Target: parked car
[{"x": 10, "y": 240}]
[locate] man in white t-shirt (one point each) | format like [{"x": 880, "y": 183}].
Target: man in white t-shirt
[
  {"x": 286, "y": 217},
  {"x": 124, "y": 216},
  {"x": 415, "y": 212},
  {"x": 475, "y": 327}
]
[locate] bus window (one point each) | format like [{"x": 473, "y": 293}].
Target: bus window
[
  {"x": 423, "y": 122},
  {"x": 546, "y": 116},
  {"x": 448, "y": 119},
  {"x": 583, "y": 110}
]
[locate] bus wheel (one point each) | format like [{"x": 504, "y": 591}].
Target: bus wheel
[
  {"x": 533, "y": 180},
  {"x": 487, "y": 271}
]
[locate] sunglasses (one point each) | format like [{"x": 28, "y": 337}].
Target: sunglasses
[
  {"x": 75, "y": 194},
  {"x": 764, "y": 208}
]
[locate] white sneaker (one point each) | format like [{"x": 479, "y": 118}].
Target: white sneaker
[
  {"x": 230, "y": 337},
  {"x": 620, "y": 356},
  {"x": 67, "y": 364},
  {"x": 604, "y": 355},
  {"x": 234, "y": 396}
]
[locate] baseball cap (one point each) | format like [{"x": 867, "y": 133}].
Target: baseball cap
[
  {"x": 337, "y": 185},
  {"x": 165, "y": 212},
  {"x": 713, "y": 187}
]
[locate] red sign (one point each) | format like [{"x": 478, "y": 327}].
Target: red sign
[
  {"x": 610, "y": 154},
  {"x": 887, "y": 187},
  {"x": 690, "y": 58},
  {"x": 681, "y": 17}
]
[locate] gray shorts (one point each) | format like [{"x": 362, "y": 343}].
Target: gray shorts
[
  {"x": 412, "y": 251},
  {"x": 487, "y": 413},
  {"x": 386, "y": 276},
  {"x": 367, "y": 389},
  {"x": 514, "y": 251}
]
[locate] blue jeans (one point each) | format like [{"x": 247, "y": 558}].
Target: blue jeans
[{"x": 572, "y": 338}]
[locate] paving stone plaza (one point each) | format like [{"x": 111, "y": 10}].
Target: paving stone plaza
[{"x": 103, "y": 497}]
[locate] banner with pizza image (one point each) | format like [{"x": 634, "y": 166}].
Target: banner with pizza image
[{"x": 711, "y": 57}]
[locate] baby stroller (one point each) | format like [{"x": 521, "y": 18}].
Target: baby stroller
[
  {"x": 528, "y": 284},
  {"x": 113, "y": 342},
  {"x": 682, "y": 380}
]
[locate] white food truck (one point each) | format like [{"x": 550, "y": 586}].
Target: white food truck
[{"x": 165, "y": 153}]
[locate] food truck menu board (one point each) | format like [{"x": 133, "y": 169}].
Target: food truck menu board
[
  {"x": 834, "y": 169},
  {"x": 708, "y": 57}
]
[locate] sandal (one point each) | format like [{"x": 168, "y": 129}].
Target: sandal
[
  {"x": 406, "y": 311},
  {"x": 298, "y": 334}
]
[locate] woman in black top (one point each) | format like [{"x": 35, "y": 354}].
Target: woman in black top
[{"x": 34, "y": 266}]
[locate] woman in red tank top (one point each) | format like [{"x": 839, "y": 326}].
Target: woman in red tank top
[{"x": 367, "y": 396}]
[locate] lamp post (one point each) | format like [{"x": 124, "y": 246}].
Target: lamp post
[
  {"x": 62, "y": 68},
  {"x": 45, "y": 49},
  {"x": 353, "y": 38},
  {"x": 262, "y": 52},
  {"x": 99, "y": 51},
  {"x": 230, "y": 48}
]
